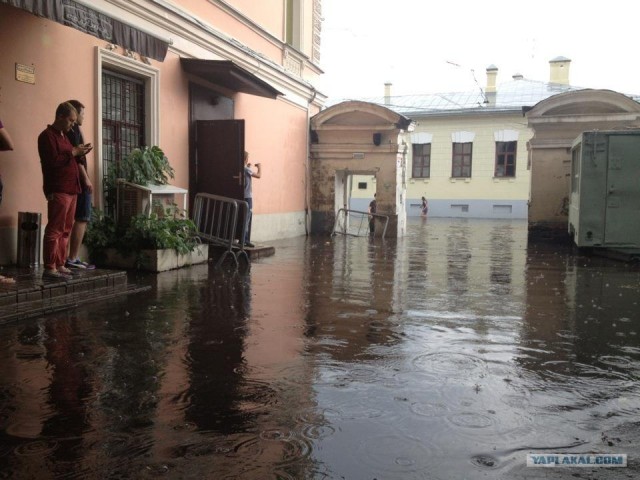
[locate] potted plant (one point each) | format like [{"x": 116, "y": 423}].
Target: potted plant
[
  {"x": 142, "y": 166},
  {"x": 149, "y": 242},
  {"x": 162, "y": 240}
]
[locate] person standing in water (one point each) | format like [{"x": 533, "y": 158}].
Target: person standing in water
[{"x": 373, "y": 208}]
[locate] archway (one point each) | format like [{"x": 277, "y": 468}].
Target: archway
[{"x": 358, "y": 138}]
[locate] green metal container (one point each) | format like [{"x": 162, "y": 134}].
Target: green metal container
[{"x": 604, "y": 207}]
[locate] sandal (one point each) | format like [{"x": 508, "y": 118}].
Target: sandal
[
  {"x": 55, "y": 274},
  {"x": 66, "y": 271}
]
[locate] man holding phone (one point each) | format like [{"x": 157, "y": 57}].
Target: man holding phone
[
  {"x": 248, "y": 195},
  {"x": 61, "y": 186},
  {"x": 83, "y": 205}
]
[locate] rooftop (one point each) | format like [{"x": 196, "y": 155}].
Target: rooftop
[{"x": 510, "y": 96}]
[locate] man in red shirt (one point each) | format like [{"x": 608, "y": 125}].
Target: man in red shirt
[{"x": 61, "y": 184}]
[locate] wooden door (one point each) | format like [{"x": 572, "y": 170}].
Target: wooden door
[{"x": 220, "y": 158}]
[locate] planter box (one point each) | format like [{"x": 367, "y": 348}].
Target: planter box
[{"x": 156, "y": 260}]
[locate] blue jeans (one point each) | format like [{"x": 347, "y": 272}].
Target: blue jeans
[
  {"x": 247, "y": 235},
  {"x": 83, "y": 207}
]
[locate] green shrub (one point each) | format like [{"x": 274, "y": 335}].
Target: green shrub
[
  {"x": 171, "y": 230},
  {"x": 161, "y": 229},
  {"x": 144, "y": 232}
]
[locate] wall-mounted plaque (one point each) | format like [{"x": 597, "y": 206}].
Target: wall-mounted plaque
[{"x": 25, "y": 73}]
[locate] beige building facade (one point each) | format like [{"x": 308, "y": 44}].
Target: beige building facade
[
  {"x": 556, "y": 123},
  {"x": 468, "y": 153},
  {"x": 482, "y": 191}
]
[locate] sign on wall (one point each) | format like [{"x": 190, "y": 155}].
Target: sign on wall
[{"x": 25, "y": 73}]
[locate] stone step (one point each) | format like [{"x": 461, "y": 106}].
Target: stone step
[{"x": 31, "y": 295}]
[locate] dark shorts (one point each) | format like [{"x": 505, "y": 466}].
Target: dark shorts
[{"x": 83, "y": 207}]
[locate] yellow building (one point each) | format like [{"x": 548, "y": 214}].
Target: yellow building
[{"x": 468, "y": 153}]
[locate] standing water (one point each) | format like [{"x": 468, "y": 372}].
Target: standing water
[{"x": 451, "y": 353}]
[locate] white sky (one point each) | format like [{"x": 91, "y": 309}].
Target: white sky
[{"x": 366, "y": 43}]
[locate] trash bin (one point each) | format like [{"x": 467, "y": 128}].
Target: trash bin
[{"x": 29, "y": 239}]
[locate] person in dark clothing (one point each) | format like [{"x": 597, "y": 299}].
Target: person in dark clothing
[
  {"x": 248, "y": 194},
  {"x": 84, "y": 200},
  {"x": 424, "y": 208},
  {"x": 6, "y": 144},
  {"x": 373, "y": 207}
]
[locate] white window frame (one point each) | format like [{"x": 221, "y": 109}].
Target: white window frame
[{"x": 150, "y": 75}]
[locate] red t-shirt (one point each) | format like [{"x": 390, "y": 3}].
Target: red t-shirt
[{"x": 59, "y": 166}]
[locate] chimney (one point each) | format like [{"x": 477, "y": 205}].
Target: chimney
[
  {"x": 387, "y": 93},
  {"x": 490, "y": 90},
  {"x": 559, "y": 70}
]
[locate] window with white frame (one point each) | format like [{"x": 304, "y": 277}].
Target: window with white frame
[
  {"x": 128, "y": 112},
  {"x": 506, "y": 159},
  {"x": 421, "y": 160},
  {"x": 462, "y": 154},
  {"x": 461, "y": 160},
  {"x": 421, "y": 154},
  {"x": 506, "y": 153}
]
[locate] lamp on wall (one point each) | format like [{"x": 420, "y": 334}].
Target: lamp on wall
[{"x": 377, "y": 138}]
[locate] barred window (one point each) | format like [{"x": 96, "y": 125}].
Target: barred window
[{"x": 123, "y": 121}]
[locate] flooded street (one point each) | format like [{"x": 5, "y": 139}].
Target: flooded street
[{"x": 448, "y": 354}]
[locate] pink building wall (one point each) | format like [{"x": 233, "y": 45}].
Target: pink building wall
[
  {"x": 65, "y": 62},
  {"x": 271, "y": 137},
  {"x": 64, "y": 68}
]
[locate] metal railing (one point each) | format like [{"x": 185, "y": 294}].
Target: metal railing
[
  {"x": 221, "y": 221},
  {"x": 356, "y": 223}
]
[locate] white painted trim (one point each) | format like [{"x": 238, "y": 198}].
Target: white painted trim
[
  {"x": 505, "y": 135},
  {"x": 570, "y": 119},
  {"x": 151, "y": 77},
  {"x": 421, "y": 137},
  {"x": 462, "y": 137}
]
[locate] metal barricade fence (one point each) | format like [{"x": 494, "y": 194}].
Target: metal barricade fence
[
  {"x": 218, "y": 220},
  {"x": 356, "y": 223}
]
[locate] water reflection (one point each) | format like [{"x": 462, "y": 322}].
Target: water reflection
[
  {"x": 458, "y": 257},
  {"x": 449, "y": 353},
  {"x": 580, "y": 345}
]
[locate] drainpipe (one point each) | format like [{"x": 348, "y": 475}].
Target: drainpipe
[{"x": 307, "y": 185}]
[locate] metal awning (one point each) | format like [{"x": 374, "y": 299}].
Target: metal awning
[{"x": 229, "y": 75}]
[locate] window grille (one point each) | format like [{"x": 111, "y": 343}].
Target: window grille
[{"x": 123, "y": 123}]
